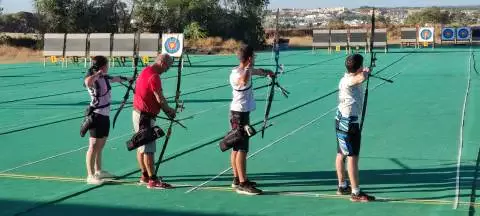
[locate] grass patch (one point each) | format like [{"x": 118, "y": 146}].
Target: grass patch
[
  {"x": 212, "y": 45},
  {"x": 11, "y": 54}
]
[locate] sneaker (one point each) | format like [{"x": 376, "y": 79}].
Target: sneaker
[
  {"x": 94, "y": 180},
  {"x": 143, "y": 180},
  {"x": 361, "y": 197},
  {"x": 104, "y": 175},
  {"x": 344, "y": 190},
  {"x": 157, "y": 184},
  {"x": 236, "y": 182},
  {"x": 248, "y": 189}
]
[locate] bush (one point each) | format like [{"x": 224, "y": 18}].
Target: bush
[
  {"x": 213, "y": 45},
  {"x": 231, "y": 44},
  {"x": 27, "y": 42},
  {"x": 194, "y": 31}
]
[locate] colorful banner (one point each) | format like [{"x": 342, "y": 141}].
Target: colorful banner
[
  {"x": 426, "y": 34},
  {"x": 464, "y": 33},
  {"x": 448, "y": 34},
  {"x": 172, "y": 44}
]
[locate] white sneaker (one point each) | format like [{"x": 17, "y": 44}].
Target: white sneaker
[
  {"x": 94, "y": 180},
  {"x": 104, "y": 175}
]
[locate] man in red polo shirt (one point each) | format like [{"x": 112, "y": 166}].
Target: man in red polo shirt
[{"x": 147, "y": 103}]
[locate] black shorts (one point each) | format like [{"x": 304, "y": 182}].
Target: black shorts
[
  {"x": 100, "y": 127},
  {"x": 240, "y": 119},
  {"x": 348, "y": 143}
]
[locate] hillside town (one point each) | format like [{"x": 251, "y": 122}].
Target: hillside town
[{"x": 321, "y": 17}]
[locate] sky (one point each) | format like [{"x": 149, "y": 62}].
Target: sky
[{"x": 12, "y": 6}]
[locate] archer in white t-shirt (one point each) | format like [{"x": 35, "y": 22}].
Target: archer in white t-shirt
[
  {"x": 243, "y": 102},
  {"x": 348, "y": 132}
]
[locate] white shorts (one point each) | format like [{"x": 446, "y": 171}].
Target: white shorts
[{"x": 147, "y": 148}]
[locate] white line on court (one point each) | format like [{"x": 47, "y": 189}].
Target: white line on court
[
  {"x": 462, "y": 124},
  {"x": 55, "y": 156}
]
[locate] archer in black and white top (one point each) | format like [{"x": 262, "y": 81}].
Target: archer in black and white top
[
  {"x": 98, "y": 86},
  {"x": 100, "y": 94},
  {"x": 99, "y": 89}
]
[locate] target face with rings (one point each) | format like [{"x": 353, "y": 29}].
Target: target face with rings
[
  {"x": 172, "y": 45},
  {"x": 463, "y": 33},
  {"x": 448, "y": 34},
  {"x": 426, "y": 34}
]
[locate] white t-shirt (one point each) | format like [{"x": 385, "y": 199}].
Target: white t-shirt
[
  {"x": 242, "y": 100},
  {"x": 350, "y": 97}
]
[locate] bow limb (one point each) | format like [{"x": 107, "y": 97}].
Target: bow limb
[
  {"x": 271, "y": 93},
  {"x": 178, "y": 107},
  {"x": 372, "y": 65}
]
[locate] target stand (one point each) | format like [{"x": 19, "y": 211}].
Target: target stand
[
  {"x": 426, "y": 37},
  {"x": 187, "y": 59},
  {"x": 53, "y": 49}
]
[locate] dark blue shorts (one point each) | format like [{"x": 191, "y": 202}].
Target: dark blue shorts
[{"x": 348, "y": 138}]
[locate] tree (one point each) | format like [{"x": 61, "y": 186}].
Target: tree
[
  {"x": 455, "y": 17},
  {"x": 250, "y": 13},
  {"x": 83, "y": 15},
  {"x": 150, "y": 15},
  {"x": 460, "y": 18},
  {"x": 385, "y": 20},
  {"x": 336, "y": 23},
  {"x": 194, "y": 31},
  {"x": 431, "y": 15},
  {"x": 21, "y": 22},
  {"x": 239, "y": 19},
  {"x": 54, "y": 14}
]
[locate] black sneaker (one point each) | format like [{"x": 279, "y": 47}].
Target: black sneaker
[
  {"x": 344, "y": 190},
  {"x": 236, "y": 182},
  {"x": 361, "y": 197},
  {"x": 248, "y": 189}
]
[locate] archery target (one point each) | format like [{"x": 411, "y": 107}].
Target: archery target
[
  {"x": 426, "y": 34},
  {"x": 448, "y": 34},
  {"x": 172, "y": 44},
  {"x": 464, "y": 33}
]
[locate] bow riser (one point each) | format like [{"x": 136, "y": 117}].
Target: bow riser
[
  {"x": 273, "y": 79},
  {"x": 127, "y": 94}
]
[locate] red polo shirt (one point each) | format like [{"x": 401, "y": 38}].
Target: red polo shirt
[{"x": 147, "y": 83}]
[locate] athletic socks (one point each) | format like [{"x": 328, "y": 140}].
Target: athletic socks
[
  {"x": 355, "y": 191},
  {"x": 343, "y": 184}
]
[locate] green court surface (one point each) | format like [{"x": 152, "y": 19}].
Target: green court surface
[{"x": 410, "y": 155}]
